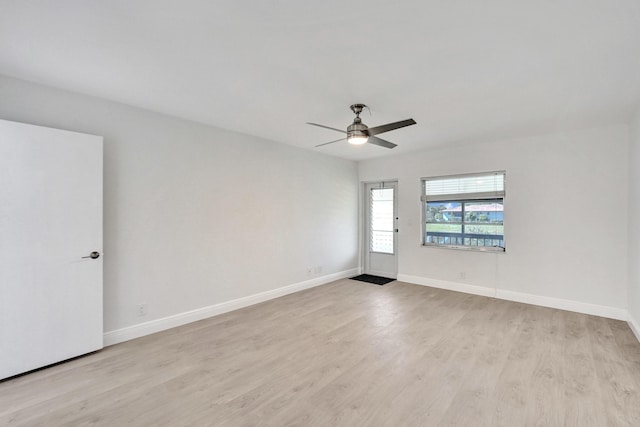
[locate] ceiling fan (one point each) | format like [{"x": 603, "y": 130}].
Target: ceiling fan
[{"x": 358, "y": 133}]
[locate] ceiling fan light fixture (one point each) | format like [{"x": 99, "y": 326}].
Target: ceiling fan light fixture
[
  {"x": 357, "y": 139},
  {"x": 357, "y": 132}
]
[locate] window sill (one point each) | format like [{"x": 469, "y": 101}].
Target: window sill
[{"x": 497, "y": 249}]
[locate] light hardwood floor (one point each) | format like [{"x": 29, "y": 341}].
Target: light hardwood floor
[{"x": 351, "y": 354}]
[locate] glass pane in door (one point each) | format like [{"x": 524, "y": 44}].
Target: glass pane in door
[{"x": 382, "y": 220}]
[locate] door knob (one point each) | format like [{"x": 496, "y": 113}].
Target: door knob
[{"x": 93, "y": 255}]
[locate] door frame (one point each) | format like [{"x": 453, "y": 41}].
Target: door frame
[{"x": 364, "y": 221}]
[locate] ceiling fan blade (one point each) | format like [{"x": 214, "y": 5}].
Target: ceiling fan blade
[
  {"x": 381, "y": 142},
  {"x": 330, "y": 142},
  {"x": 326, "y": 127},
  {"x": 390, "y": 126}
]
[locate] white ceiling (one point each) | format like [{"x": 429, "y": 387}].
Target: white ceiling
[{"x": 465, "y": 70}]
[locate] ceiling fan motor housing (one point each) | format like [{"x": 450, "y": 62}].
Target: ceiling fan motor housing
[{"x": 357, "y": 129}]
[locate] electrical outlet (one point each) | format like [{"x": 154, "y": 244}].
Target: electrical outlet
[
  {"x": 142, "y": 309},
  {"x": 463, "y": 274},
  {"x": 309, "y": 271}
]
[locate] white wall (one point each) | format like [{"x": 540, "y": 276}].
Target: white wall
[
  {"x": 634, "y": 224},
  {"x": 565, "y": 219},
  {"x": 196, "y": 216}
]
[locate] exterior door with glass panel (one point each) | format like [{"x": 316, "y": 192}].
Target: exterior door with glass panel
[{"x": 381, "y": 237}]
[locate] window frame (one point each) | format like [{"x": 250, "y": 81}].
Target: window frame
[{"x": 462, "y": 198}]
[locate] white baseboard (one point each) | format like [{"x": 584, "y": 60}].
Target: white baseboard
[
  {"x": 157, "y": 325},
  {"x": 634, "y": 325},
  {"x": 450, "y": 286},
  {"x": 562, "y": 304}
]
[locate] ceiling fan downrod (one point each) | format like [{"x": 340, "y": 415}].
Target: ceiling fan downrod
[{"x": 357, "y": 109}]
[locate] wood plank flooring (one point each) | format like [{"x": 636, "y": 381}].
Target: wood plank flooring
[{"x": 351, "y": 354}]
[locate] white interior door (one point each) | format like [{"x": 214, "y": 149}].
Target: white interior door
[
  {"x": 381, "y": 237},
  {"x": 50, "y": 223}
]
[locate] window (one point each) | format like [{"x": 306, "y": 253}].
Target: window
[{"x": 464, "y": 211}]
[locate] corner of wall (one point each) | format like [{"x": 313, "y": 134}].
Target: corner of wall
[
  {"x": 633, "y": 276},
  {"x": 634, "y": 325}
]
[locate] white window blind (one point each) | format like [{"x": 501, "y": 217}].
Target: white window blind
[{"x": 476, "y": 186}]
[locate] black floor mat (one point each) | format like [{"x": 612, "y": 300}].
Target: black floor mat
[{"x": 377, "y": 280}]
